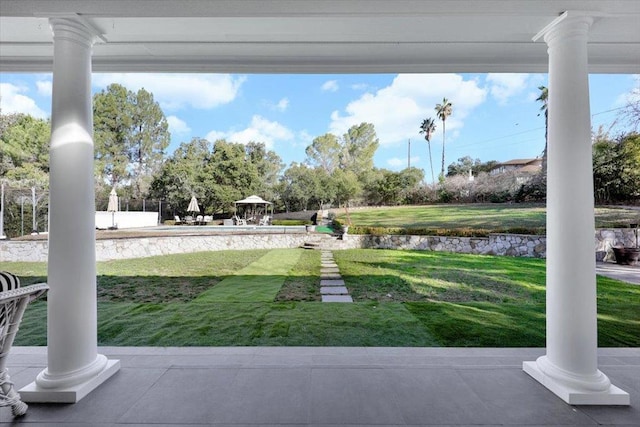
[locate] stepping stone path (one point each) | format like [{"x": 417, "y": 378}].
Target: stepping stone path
[{"x": 332, "y": 286}]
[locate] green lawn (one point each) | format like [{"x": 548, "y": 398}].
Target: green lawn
[
  {"x": 476, "y": 216},
  {"x": 402, "y": 298}
]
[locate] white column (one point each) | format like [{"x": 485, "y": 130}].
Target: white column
[
  {"x": 570, "y": 366},
  {"x": 74, "y": 365}
]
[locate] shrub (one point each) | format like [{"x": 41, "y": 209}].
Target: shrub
[
  {"x": 450, "y": 232},
  {"x": 291, "y": 222}
]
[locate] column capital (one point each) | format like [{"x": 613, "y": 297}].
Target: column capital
[
  {"x": 568, "y": 24},
  {"x": 73, "y": 30}
]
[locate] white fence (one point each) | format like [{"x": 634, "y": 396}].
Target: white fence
[{"x": 120, "y": 219}]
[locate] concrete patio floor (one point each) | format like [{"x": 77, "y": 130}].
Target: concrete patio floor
[
  {"x": 626, "y": 273},
  {"x": 325, "y": 386}
]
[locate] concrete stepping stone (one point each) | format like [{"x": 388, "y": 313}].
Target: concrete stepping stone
[
  {"x": 329, "y": 265},
  {"x": 332, "y": 286},
  {"x": 337, "y": 298},
  {"x": 331, "y": 282},
  {"x": 334, "y": 290}
]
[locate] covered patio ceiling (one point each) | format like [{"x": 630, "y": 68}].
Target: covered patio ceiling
[{"x": 317, "y": 36}]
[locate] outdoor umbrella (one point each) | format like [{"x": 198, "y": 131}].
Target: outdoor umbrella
[
  {"x": 113, "y": 205},
  {"x": 193, "y": 205}
]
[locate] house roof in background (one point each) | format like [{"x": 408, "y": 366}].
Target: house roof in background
[
  {"x": 310, "y": 36},
  {"x": 523, "y": 162}
]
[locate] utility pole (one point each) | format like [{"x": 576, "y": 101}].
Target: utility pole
[{"x": 409, "y": 155}]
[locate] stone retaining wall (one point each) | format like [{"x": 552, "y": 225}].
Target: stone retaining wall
[
  {"x": 521, "y": 245},
  {"x": 616, "y": 237},
  {"x": 113, "y": 249},
  {"x": 495, "y": 244}
]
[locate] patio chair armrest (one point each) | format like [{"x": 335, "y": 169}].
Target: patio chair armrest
[{"x": 34, "y": 291}]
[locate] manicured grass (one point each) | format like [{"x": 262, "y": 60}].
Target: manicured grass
[
  {"x": 260, "y": 281},
  {"x": 303, "y": 281},
  {"x": 173, "y": 278},
  {"x": 475, "y": 216},
  {"x": 388, "y": 275},
  {"x": 402, "y": 298}
]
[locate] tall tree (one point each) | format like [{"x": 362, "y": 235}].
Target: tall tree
[
  {"x": 359, "y": 145},
  {"x": 148, "y": 141},
  {"x": 324, "y": 152},
  {"x": 347, "y": 187},
  {"x": 183, "y": 174},
  {"x": 112, "y": 122},
  {"x": 300, "y": 184},
  {"x": 543, "y": 99},
  {"x": 131, "y": 135},
  {"x": 269, "y": 166},
  {"x": 428, "y": 127},
  {"x": 443, "y": 110}
]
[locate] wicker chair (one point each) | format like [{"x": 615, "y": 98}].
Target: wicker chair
[{"x": 13, "y": 302}]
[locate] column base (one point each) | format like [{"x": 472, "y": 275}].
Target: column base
[
  {"x": 32, "y": 393},
  {"x": 611, "y": 396}
]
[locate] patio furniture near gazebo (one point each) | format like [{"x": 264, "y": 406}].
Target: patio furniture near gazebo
[{"x": 255, "y": 206}]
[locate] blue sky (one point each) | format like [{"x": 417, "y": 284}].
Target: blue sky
[{"x": 495, "y": 116}]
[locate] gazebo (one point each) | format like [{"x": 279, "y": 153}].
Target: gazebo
[
  {"x": 255, "y": 202},
  {"x": 566, "y": 38}
]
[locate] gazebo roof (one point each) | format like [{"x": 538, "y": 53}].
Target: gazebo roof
[
  {"x": 287, "y": 36},
  {"x": 253, "y": 200}
]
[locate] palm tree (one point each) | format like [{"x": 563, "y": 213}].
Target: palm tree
[
  {"x": 443, "y": 111},
  {"x": 428, "y": 127},
  {"x": 544, "y": 99}
]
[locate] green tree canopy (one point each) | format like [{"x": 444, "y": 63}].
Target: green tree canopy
[
  {"x": 359, "y": 145},
  {"x": 616, "y": 168},
  {"x": 466, "y": 164},
  {"x": 24, "y": 149},
  {"x": 217, "y": 174},
  {"x": 131, "y": 135},
  {"x": 324, "y": 152}
]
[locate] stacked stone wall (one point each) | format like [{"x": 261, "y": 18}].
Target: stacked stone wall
[
  {"x": 496, "y": 244},
  {"x": 113, "y": 249}
]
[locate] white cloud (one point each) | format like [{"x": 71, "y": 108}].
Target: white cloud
[
  {"x": 401, "y": 163},
  {"x": 177, "y": 91},
  {"x": 178, "y": 126},
  {"x": 503, "y": 86},
  {"x": 330, "y": 86},
  {"x": 397, "y": 110},
  {"x": 396, "y": 162},
  {"x": 12, "y": 100},
  {"x": 215, "y": 135},
  {"x": 282, "y": 105},
  {"x": 45, "y": 87},
  {"x": 360, "y": 86},
  {"x": 259, "y": 130}
]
